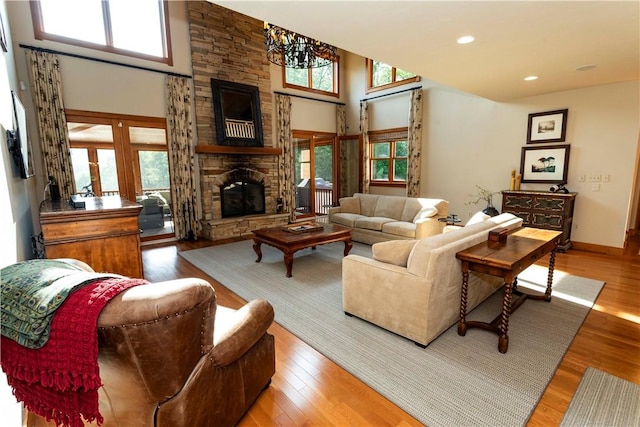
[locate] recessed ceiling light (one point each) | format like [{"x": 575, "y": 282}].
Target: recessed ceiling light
[
  {"x": 586, "y": 67},
  {"x": 466, "y": 39},
  {"x": 530, "y": 78}
]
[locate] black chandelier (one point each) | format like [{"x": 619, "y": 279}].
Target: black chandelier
[{"x": 294, "y": 50}]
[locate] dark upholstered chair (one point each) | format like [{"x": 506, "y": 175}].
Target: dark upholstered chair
[
  {"x": 170, "y": 356},
  {"x": 152, "y": 214}
]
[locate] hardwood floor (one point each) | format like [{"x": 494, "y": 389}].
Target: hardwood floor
[{"x": 310, "y": 390}]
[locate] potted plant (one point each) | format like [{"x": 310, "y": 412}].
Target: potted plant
[{"x": 487, "y": 196}]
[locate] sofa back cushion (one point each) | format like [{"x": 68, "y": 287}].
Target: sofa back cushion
[
  {"x": 390, "y": 207},
  {"x": 368, "y": 203},
  {"x": 350, "y": 205}
]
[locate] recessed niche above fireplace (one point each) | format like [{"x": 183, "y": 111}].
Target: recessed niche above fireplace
[{"x": 236, "y": 108}]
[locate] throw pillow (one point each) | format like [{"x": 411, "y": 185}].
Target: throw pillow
[
  {"x": 426, "y": 212},
  {"x": 394, "y": 252},
  {"x": 478, "y": 217},
  {"x": 350, "y": 205}
]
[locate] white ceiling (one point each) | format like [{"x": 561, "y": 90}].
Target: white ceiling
[{"x": 514, "y": 39}]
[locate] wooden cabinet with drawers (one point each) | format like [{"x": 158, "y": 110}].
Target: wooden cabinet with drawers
[
  {"x": 543, "y": 209},
  {"x": 105, "y": 233}
]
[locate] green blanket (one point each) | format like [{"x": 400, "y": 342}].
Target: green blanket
[{"x": 31, "y": 293}]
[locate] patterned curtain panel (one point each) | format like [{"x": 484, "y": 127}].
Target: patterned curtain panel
[
  {"x": 364, "y": 130},
  {"x": 52, "y": 122},
  {"x": 180, "y": 135},
  {"x": 415, "y": 143},
  {"x": 284, "y": 141},
  {"x": 341, "y": 119},
  {"x": 341, "y": 130}
]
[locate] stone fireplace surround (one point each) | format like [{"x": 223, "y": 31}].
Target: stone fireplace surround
[{"x": 229, "y": 46}]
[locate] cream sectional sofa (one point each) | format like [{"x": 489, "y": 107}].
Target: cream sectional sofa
[
  {"x": 412, "y": 287},
  {"x": 378, "y": 218}
]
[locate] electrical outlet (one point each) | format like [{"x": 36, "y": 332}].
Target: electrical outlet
[
  {"x": 605, "y": 177},
  {"x": 581, "y": 178},
  {"x": 594, "y": 178},
  {"x": 595, "y": 187}
]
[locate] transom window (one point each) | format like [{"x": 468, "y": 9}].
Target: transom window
[
  {"x": 388, "y": 156},
  {"x": 137, "y": 28},
  {"x": 382, "y": 76},
  {"x": 320, "y": 80}
]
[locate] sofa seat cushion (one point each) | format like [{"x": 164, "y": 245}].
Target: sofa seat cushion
[
  {"x": 346, "y": 219},
  {"x": 372, "y": 222},
  {"x": 400, "y": 228}
]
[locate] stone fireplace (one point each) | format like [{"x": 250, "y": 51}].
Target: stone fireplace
[{"x": 229, "y": 47}]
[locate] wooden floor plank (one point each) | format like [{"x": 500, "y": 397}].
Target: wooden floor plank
[{"x": 310, "y": 390}]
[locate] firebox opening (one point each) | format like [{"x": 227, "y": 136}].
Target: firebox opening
[{"x": 241, "y": 198}]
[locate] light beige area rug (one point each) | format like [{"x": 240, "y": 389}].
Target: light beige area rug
[
  {"x": 455, "y": 381},
  {"x": 603, "y": 400}
]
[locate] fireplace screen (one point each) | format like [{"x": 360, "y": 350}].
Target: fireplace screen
[{"x": 241, "y": 198}]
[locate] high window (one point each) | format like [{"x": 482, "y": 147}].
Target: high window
[
  {"x": 383, "y": 76},
  {"x": 137, "y": 28},
  {"x": 320, "y": 80},
  {"x": 388, "y": 157}
]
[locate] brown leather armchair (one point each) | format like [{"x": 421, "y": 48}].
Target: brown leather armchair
[{"x": 169, "y": 356}]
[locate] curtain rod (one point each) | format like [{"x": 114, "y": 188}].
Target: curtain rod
[
  {"x": 389, "y": 94},
  {"x": 104, "y": 61},
  {"x": 306, "y": 97}
]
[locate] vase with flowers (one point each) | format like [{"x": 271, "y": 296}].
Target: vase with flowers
[{"x": 487, "y": 196}]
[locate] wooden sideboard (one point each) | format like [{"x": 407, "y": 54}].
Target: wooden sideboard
[
  {"x": 105, "y": 233},
  {"x": 543, "y": 209}
]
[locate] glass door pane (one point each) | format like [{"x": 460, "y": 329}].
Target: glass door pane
[
  {"x": 108, "y": 172},
  {"x": 156, "y": 217},
  {"x": 302, "y": 176},
  {"x": 323, "y": 173},
  {"x": 154, "y": 171},
  {"x": 81, "y": 171}
]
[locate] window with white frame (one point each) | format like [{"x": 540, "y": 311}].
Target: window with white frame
[{"x": 137, "y": 28}]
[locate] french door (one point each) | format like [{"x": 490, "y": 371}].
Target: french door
[
  {"x": 122, "y": 155},
  {"x": 314, "y": 172}
]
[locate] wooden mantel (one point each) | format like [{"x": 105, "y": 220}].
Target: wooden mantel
[{"x": 226, "y": 149}]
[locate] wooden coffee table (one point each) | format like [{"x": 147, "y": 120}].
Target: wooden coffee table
[
  {"x": 524, "y": 247},
  {"x": 290, "y": 242}
]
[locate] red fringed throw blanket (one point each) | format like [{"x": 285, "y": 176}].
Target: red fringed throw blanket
[{"x": 60, "y": 381}]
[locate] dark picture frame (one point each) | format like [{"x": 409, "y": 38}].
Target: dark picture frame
[
  {"x": 545, "y": 164},
  {"x": 550, "y": 126},
  {"x": 238, "y": 118}
]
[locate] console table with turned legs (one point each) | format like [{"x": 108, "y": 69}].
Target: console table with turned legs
[{"x": 523, "y": 247}]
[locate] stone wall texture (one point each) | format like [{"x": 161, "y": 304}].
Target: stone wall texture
[{"x": 229, "y": 46}]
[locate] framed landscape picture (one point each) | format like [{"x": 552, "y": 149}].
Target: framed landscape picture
[
  {"x": 550, "y": 126},
  {"x": 548, "y": 164}
]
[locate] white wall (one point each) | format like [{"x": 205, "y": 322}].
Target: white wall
[{"x": 470, "y": 141}]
